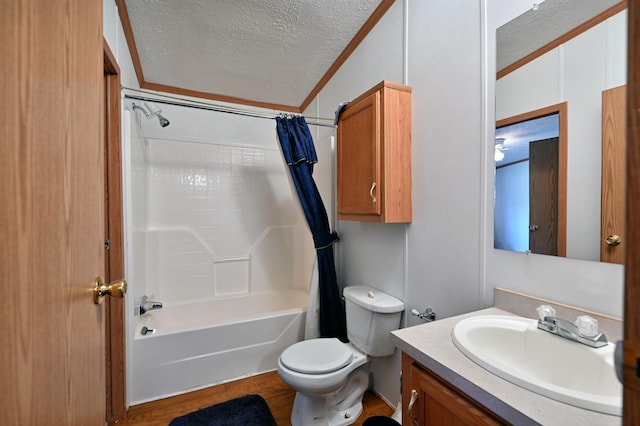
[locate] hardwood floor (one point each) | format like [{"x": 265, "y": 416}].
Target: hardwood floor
[{"x": 278, "y": 395}]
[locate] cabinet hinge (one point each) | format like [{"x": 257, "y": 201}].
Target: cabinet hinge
[{"x": 107, "y": 245}]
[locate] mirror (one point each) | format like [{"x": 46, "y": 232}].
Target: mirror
[{"x": 584, "y": 55}]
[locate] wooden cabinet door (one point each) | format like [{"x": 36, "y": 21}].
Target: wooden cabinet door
[
  {"x": 436, "y": 402},
  {"x": 374, "y": 156},
  {"x": 359, "y": 158}
]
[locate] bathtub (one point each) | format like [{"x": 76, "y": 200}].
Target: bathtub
[{"x": 209, "y": 342}]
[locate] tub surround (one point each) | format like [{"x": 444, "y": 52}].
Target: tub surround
[{"x": 431, "y": 345}]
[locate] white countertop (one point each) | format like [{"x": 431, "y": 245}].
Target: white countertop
[{"x": 431, "y": 345}]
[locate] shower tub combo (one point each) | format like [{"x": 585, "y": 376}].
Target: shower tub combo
[{"x": 219, "y": 240}]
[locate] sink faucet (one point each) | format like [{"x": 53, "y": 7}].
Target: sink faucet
[
  {"x": 568, "y": 330},
  {"x": 147, "y": 305}
]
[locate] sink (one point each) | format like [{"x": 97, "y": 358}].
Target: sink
[{"x": 514, "y": 349}]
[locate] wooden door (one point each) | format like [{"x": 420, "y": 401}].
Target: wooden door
[
  {"x": 51, "y": 214},
  {"x": 614, "y": 136},
  {"x": 543, "y": 196},
  {"x": 359, "y": 179}
]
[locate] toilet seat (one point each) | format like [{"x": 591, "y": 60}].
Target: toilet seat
[{"x": 317, "y": 356}]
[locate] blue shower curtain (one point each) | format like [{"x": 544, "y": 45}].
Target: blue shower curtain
[{"x": 300, "y": 154}]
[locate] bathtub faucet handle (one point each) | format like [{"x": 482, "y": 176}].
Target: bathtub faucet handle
[{"x": 147, "y": 305}]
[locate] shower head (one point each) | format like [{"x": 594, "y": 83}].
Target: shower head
[
  {"x": 153, "y": 111},
  {"x": 163, "y": 121}
]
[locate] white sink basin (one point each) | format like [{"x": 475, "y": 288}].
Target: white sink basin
[{"x": 514, "y": 349}]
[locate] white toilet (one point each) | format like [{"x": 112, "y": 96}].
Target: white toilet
[{"x": 330, "y": 377}]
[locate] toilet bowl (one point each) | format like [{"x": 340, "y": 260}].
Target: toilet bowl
[
  {"x": 329, "y": 376},
  {"x": 319, "y": 366}
]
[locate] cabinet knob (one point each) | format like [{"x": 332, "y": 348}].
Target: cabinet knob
[{"x": 373, "y": 197}]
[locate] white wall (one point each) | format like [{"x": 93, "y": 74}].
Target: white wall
[
  {"x": 371, "y": 254},
  {"x": 435, "y": 260},
  {"x": 114, "y": 35}
]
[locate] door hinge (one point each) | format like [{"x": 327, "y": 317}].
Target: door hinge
[
  {"x": 107, "y": 245},
  {"x": 627, "y": 362}
]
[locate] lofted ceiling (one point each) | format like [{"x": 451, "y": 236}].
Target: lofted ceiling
[
  {"x": 272, "y": 53},
  {"x": 548, "y": 21},
  {"x": 280, "y": 53}
]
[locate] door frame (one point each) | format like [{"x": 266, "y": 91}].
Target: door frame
[
  {"x": 631, "y": 402},
  {"x": 563, "y": 137},
  {"x": 114, "y": 308}
]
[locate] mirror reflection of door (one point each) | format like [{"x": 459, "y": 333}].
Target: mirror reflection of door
[
  {"x": 530, "y": 182},
  {"x": 543, "y": 196},
  {"x": 612, "y": 226}
]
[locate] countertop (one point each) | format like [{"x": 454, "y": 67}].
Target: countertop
[{"x": 431, "y": 345}]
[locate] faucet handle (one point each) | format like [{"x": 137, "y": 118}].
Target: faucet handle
[
  {"x": 546, "y": 311},
  {"x": 587, "y": 325}
]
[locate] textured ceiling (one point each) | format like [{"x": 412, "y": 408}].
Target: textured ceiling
[
  {"x": 535, "y": 28},
  {"x": 266, "y": 51},
  {"x": 275, "y": 52}
]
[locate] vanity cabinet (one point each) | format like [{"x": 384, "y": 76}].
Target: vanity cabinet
[
  {"x": 436, "y": 402},
  {"x": 374, "y": 156}
]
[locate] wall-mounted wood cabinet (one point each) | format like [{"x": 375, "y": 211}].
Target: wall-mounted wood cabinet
[
  {"x": 430, "y": 400},
  {"x": 374, "y": 156}
]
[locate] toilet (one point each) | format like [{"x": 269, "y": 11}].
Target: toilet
[{"x": 329, "y": 376}]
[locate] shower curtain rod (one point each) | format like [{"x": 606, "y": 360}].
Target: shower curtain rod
[{"x": 216, "y": 109}]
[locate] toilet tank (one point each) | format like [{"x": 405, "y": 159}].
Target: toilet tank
[{"x": 371, "y": 317}]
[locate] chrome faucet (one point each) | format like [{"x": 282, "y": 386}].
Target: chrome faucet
[
  {"x": 147, "y": 305},
  {"x": 568, "y": 330}
]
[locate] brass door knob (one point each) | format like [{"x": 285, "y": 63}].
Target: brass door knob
[
  {"x": 117, "y": 288},
  {"x": 612, "y": 240}
]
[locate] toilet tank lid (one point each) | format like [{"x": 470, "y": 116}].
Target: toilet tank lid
[{"x": 373, "y": 299}]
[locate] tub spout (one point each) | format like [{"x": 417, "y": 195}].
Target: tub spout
[{"x": 147, "y": 305}]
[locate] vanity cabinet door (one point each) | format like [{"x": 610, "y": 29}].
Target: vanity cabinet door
[
  {"x": 374, "y": 156},
  {"x": 437, "y": 402}
]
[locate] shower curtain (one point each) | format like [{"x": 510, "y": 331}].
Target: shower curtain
[{"x": 300, "y": 154}]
